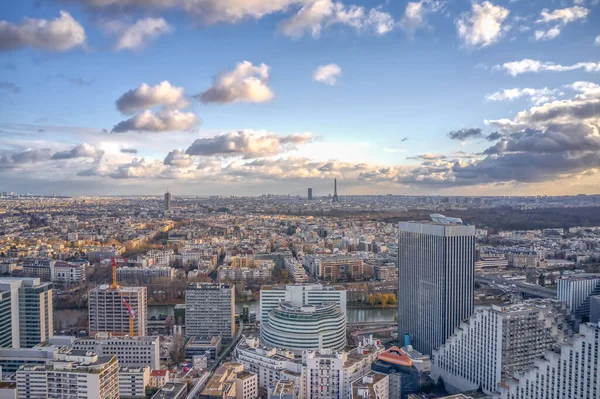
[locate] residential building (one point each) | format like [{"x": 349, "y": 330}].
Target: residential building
[
  {"x": 497, "y": 342},
  {"x": 159, "y": 377},
  {"x": 284, "y": 390},
  {"x": 144, "y": 274},
  {"x": 71, "y": 375},
  {"x": 26, "y": 317},
  {"x": 595, "y": 309},
  {"x": 334, "y": 267},
  {"x": 386, "y": 272},
  {"x": 210, "y": 310},
  {"x": 231, "y": 381},
  {"x": 308, "y": 327},
  {"x": 133, "y": 382},
  {"x": 576, "y": 290},
  {"x": 436, "y": 264},
  {"x": 295, "y": 270},
  {"x": 299, "y": 295},
  {"x": 132, "y": 352},
  {"x": 372, "y": 385},
  {"x": 569, "y": 370},
  {"x": 68, "y": 272},
  {"x": 38, "y": 267},
  {"x": 108, "y": 310}
]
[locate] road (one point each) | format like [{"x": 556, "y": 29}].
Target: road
[{"x": 520, "y": 286}]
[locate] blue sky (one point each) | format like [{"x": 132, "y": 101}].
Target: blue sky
[{"x": 414, "y": 70}]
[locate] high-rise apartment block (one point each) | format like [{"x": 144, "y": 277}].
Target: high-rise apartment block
[
  {"x": 497, "y": 342},
  {"x": 436, "y": 265},
  {"x": 576, "y": 291},
  {"x": 71, "y": 375},
  {"x": 210, "y": 310},
  {"x": 300, "y": 295},
  {"x": 108, "y": 311},
  {"x": 26, "y": 317},
  {"x": 567, "y": 371}
]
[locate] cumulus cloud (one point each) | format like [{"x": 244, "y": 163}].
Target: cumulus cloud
[
  {"x": 82, "y": 150},
  {"x": 465, "y": 134},
  {"x": 179, "y": 158},
  {"x": 314, "y": 15},
  {"x": 597, "y": 41},
  {"x": 162, "y": 121},
  {"x": 61, "y": 34},
  {"x": 9, "y": 160},
  {"x": 528, "y": 65},
  {"x": 564, "y": 15},
  {"x": 245, "y": 83},
  {"x": 139, "y": 34},
  {"x": 327, "y": 74},
  {"x": 415, "y": 15},
  {"x": 10, "y": 87},
  {"x": 549, "y": 34},
  {"x": 537, "y": 96},
  {"x": 129, "y": 151},
  {"x": 147, "y": 96},
  {"x": 494, "y": 136},
  {"x": 483, "y": 26},
  {"x": 248, "y": 144},
  {"x": 139, "y": 169}
]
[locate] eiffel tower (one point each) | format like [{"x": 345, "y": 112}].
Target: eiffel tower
[{"x": 335, "y": 196}]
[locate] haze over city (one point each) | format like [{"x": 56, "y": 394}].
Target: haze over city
[{"x": 274, "y": 96}]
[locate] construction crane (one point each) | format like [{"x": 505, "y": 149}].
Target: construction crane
[
  {"x": 114, "y": 285},
  {"x": 131, "y": 313}
]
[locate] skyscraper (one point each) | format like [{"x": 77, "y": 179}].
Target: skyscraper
[
  {"x": 436, "y": 264},
  {"x": 310, "y": 194},
  {"x": 25, "y": 312},
  {"x": 210, "y": 310},
  {"x": 167, "y": 201},
  {"x": 335, "y": 196}
]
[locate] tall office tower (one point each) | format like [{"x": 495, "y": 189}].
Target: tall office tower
[
  {"x": 109, "y": 313},
  {"x": 167, "y": 201},
  {"x": 71, "y": 375},
  {"x": 335, "y": 196},
  {"x": 576, "y": 291},
  {"x": 300, "y": 295},
  {"x": 497, "y": 342},
  {"x": 568, "y": 371},
  {"x": 436, "y": 264},
  {"x": 210, "y": 310},
  {"x": 310, "y": 194},
  {"x": 26, "y": 317}
]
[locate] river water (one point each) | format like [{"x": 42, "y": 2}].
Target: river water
[{"x": 67, "y": 318}]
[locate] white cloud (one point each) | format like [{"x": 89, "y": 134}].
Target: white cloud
[
  {"x": 142, "y": 32},
  {"x": 415, "y": 14},
  {"x": 317, "y": 14},
  {"x": 597, "y": 41},
  {"x": 563, "y": 16},
  {"x": 179, "y": 158},
  {"x": 60, "y": 34},
  {"x": 528, "y": 65},
  {"x": 245, "y": 83},
  {"x": 537, "y": 96},
  {"x": 483, "y": 26},
  {"x": 162, "y": 121},
  {"x": 147, "y": 96},
  {"x": 549, "y": 34},
  {"x": 83, "y": 150},
  {"x": 327, "y": 74},
  {"x": 248, "y": 144}
]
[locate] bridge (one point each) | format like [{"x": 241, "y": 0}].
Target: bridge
[{"x": 525, "y": 289}]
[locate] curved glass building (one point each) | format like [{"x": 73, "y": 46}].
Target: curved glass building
[{"x": 300, "y": 328}]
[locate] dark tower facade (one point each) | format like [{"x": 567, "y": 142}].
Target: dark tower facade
[
  {"x": 335, "y": 196},
  {"x": 310, "y": 193}
]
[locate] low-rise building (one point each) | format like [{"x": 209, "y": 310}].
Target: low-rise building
[
  {"x": 171, "y": 390},
  {"x": 372, "y": 385},
  {"x": 131, "y": 351},
  {"x": 133, "y": 382}
]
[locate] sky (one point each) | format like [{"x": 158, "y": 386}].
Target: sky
[{"x": 251, "y": 97}]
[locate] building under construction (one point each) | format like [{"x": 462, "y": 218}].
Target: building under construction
[{"x": 118, "y": 310}]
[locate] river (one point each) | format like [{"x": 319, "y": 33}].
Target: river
[{"x": 67, "y": 318}]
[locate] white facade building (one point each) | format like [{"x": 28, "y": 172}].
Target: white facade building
[
  {"x": 295, "y": 270},
  {"x": 68, "y": 272},
  {"x": 496, "y": 342},
  {"x": 576, "y": 290},
  {"x": 131, "y": 351},
  {"x": 570, "y": 371},
  {"x": 133, "y": 382},
  {"x": 300, "y": 295}
]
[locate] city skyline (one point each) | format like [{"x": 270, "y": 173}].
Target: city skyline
[{"x": 99, "y": 96}]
